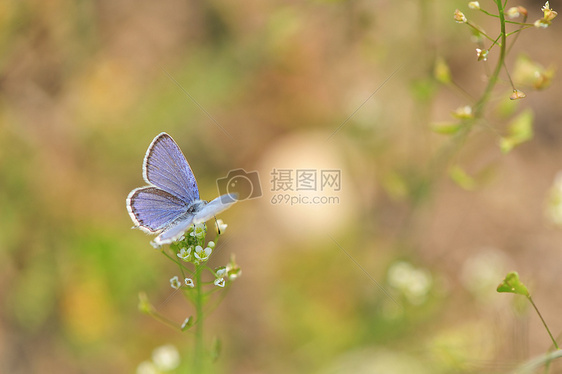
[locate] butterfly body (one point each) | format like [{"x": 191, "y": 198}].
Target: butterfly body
[{"x": 170, "y": 203}]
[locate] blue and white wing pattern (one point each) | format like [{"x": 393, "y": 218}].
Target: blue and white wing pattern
[
  {"x": 165, "y": 167},
  {"x": 174, "y": 231},
  {"x": 170, "y": 204},
  {"x": 153, "y": 209}
]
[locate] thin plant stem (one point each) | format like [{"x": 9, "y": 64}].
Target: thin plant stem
[
  {"x": 509, "y": 77},
  {"x": 547, "y": 366},
  {"x": 544, "y": 323},
  {"x": 495, "y": 42},
  {"x": 448, "y": 152},
  {"x": 182, "y": 266},
  {"x": 157, "y": 316},
  {"x": 198, "y": 351},
  {"x": 516, "y": 32},
  {"x": 488, "y": 13},
  {"x": 530, "y": 366},
  {"x": 480, "y": 31},
  {"x": 479, "y": 106}
]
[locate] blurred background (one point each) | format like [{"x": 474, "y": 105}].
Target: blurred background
[{"x": 397, "y": 275}]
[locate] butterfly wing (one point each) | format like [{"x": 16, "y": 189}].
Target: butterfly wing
[
  {"x": 214, "y": 207},
  {"x": 165, "y": 167},
  {"x": 153, "y": 209},
  {"x": 174, "y": 232},
  {"x": 163, "y": 207}
]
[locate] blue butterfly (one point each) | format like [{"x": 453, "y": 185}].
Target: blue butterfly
[{"x": 170, "y": 203}]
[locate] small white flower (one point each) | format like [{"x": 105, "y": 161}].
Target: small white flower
[
  {"x": 414, "y": 283},
  {"x": 220, "y": 282},
  {"x": 463, "y": 112},
  {"x": 474, "y": 5},
  {"x": 459, "y": 16},
  {"x": 513, "y": 12},
  {"x": 146, "y": 367},
  {"x": 221, "y": 272},
  {"x": 166, "y": 357},
  {"x": 175, "y": 282},
  {"x": 185, "y": 254},
  {"x": 234, "y": 273},
  {"x": 221, "y": 226},
  {"x": 481, "y": 271},
  {"x": 232, "y": 269},
  {"x": 189, "y": 282},
  {"x": 517, "y": 94},
  {"x": 548, "y": 13},
  {"x": 482, "y": 54},
  {"x": 541, "y": 24},
  {"x": 211, "y": 245},
  {"x": 186, "y": 323},
  {"x": 201, "y": 254},
  {"x": 198, "y": 231}
]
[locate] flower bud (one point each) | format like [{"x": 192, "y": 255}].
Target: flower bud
[
  {"x": 459, "y": 16},
  {"x": 516, "y": 95},
  {"x": 474, "y": 5}
]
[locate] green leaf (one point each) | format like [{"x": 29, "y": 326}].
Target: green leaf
[
  {"x": 441, "y": 71},
  {"x": 461, "y": 178},
  {"x": 446, "y": 128},
  {"x": 477, "y": 35},
  {"x": 395, "y": 186},
  {"x": 424, "y": 89},
  {"x": 527, "y": 72},
  {"x": 144, "y": 305},
  {"x": 506, "y": 145},
  {"x": 512, "y": 284},
  {"x": 520, "y": 130},
  {"x": 507, "y": 108},
  {"x": 187, "y": 324},
  {"x": 216, "y": 349}
]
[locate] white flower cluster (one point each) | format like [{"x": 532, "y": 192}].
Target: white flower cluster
[
  {"x": 197, "y": 254},
  {"x": 413, "y": 283},
  {"x": 227, "y": 273},
  {"x": 164, "y": 359}
]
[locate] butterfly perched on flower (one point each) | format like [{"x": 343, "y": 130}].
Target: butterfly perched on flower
[{"x": 170, "y": 203}]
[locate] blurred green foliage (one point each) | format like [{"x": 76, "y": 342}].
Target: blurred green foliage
[{"x": 85, "y": 86}]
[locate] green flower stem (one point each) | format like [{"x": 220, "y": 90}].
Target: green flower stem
[
  {"x": 481, "y": 103},
  {"x": 198, "y": 352},
  {"x": 523, "y": 26},
  {"x": 157, "y": 316},
  {"x": 495, "y": 42},
  {"x": 182, "y": 266},
  {"x": 488, "y": 13},
  {"x": 509, "y": 78},
  {"x": 217, "y": 302},
  {"x": 479, "y": 106},
  {"x": 524, "y": 23},
  {"x": 519, "y": 30},
  {"x": 445, "y": 154},
  {"x": 544, "y": 323},
  {"x": 480, "y": 31}
]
